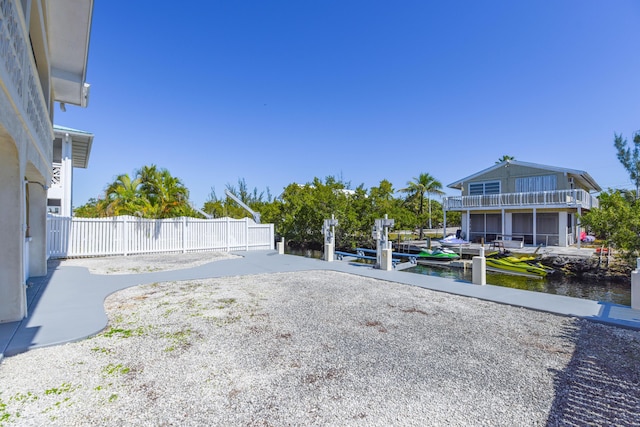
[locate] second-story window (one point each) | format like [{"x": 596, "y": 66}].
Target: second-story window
[
  {"x": 482, "y": 188},
  {"x": 533, "y": 184}
]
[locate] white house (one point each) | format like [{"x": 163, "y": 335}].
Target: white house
[
  {"x": 71, "y": 149},
  {"x": 533, "y": 203},
  {"x": 43, "y": 59}
]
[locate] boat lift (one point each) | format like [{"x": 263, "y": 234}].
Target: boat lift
[
  {"x": 254, "y": 214},
  {"x": 380, "y": 232},
  {"x": 329, "y": 231}
]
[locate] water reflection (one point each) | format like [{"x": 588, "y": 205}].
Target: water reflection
[
  {"x": 598, "y": 291},
  {"x": 559, "y": 285}
]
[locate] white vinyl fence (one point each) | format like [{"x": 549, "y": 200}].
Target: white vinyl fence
[{"x": 125, "y": 235}]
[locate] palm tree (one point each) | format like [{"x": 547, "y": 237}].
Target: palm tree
[
  {"x": 423, "y": 184},
  {"x": 149, "y": 177},
  {"x": 166, "y": 195},
  {"x": 505, "y": 158},
  {"x": 172, "y": 197},
  {"x": 122, "y": 196}
]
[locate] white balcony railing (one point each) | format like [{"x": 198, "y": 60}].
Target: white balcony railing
[
  {"x": 540, "y": 199},
  {"x": 21, "y": 75}
]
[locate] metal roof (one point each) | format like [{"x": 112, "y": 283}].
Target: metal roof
[
  {"x": 580, "y": 175},
  {"x": 81, "y": 142},
  {"x": 69, "y": 28}
]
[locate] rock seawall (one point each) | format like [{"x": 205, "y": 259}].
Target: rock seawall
[{"x": 590, "y": 268}]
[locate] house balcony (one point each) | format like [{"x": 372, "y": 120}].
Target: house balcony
[
  {"x": 541, "y": 199},
  {"x": 19, "y": 74}
]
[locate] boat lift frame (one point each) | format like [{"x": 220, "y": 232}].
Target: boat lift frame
[{"x": 254, "y": 214}]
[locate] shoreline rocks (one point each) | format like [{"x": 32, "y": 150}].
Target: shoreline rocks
[{"x": 592, "y": 268}]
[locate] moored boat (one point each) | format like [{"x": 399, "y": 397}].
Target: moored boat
[
  {"x": 524, "y": 266},
  {"x": 439, "y": 254},
  {"x": 454, "y": 241}
]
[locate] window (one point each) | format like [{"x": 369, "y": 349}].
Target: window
[
  {"x": 534, "y": 184},
  {"x": 484, "y": 227},
  {"x": 482, "y": 188},
  {"x": 54, "y": 206}
]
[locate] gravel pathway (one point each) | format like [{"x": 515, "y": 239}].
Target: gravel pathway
[
  {"x": 147, "y": 263},
  {"x": 325, "y": 348}
]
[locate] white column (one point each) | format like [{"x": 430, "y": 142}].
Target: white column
[
  {"x": 635, "y": 286},
  {"x": 562, "y": 229},
  {"x": 386, "y": 259},
  {"x": 508, "y": 223},
  {"x": 535, "y": 228},
  {"x": 444, "y": 222},
  {"x": 467, "y": 231},
  {"x": 577, "y": 229},
  {"x": 12, "y": 235},
  {"x": 479, "y": 269},
  {"x": 37, "y": 229},
  {"x": 66, "y": 175}
]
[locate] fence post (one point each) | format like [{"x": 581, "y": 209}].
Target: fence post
[
  {"x": 69, "y": 237},
  {"x": 125, "y": 236},
  {"x": 228, "y": 232},
  {"x": 246, "y": 234},
  {"x": 184, "y": 234}
]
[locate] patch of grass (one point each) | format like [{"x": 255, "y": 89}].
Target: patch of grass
[
  {"x": 101, "y": 350},
  {"x": 5, "y": 415},
  {"x": 56, "y": 391},
  {"x": 64, "y": 388},
  {"x": 113, "y": 369},
  {"x": 113, "y": 397},
  {"x": 102, "y": 387},
  {"x": 22, "y": 397},
  {"x": 168, "y": 312},
  {"x": 123, "y": 333},
  {"x": 179, "y": 339}
]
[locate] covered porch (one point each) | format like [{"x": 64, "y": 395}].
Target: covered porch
[{"x": 532, "y": 227}]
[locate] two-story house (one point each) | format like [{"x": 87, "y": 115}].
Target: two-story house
[
  {"x": 43, "y": 59},
  {"x": 515, "y": 200}
]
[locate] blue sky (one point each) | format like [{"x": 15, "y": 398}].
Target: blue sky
[{"x": 277, "y": 92}]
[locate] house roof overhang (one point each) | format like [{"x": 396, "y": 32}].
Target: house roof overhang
[
  {"x": 69, "y": 28},
  {"x": 581, "y": 176},
  {"x": 81, "y": 143}
]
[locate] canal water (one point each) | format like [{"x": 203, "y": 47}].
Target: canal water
[{"x": 560, "y": 285}]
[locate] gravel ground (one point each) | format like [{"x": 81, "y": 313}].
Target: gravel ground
[
  {"x": 146, "y": 263},
  {"x": 325, "y": 348}
]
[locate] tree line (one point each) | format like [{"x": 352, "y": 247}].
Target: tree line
[
  {"x": 297, "y": 213},
  {"x": 617, "y": 220}
]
